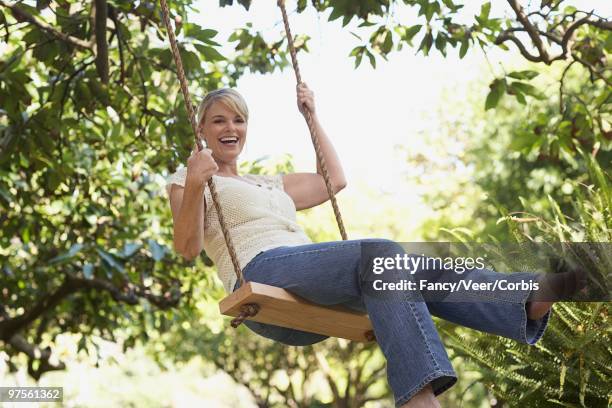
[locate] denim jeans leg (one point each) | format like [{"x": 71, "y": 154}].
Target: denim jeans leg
[
  {"x": 501, "y": 312},
  {"x": 329, "y": 274}
]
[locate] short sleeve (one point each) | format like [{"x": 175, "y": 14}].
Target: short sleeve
[
  {"x": 177, "y": 177},
  {"x": 274, "y": 180}
]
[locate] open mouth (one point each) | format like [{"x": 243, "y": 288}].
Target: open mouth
[{"x": 229, "y": 140}]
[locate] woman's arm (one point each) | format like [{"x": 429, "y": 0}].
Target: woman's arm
[
  {"x": 189, "y": 206},
  {"x": 308, "y": 189},
  {"x": 188, "y": 212}
]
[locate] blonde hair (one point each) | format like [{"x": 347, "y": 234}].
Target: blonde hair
[{"x": 229, "y": 97}]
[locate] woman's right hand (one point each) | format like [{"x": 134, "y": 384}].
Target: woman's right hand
[{"x": 201, "y": 166}]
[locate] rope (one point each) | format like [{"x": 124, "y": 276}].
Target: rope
[
  {"x": 311, "y": 126},
  {"x": 191, "y": 114},
  {"x": 248, "y": 310}
]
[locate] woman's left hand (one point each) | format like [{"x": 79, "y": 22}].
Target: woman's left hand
[{"x": 305, "y": 97}]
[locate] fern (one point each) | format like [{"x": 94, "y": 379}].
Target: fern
[{"x": 570, "y": 365}]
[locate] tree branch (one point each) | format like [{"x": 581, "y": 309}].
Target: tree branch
[
  {"x": 19, "y": 343},
  {"x": 374, "y": 376},
  {"x": 72, "y": 284},
  {"x": 531, "y": 30},
  {"x": 592, "y": 70},
  {"x": 9, "y": 327},
  {"x": 503, "y": 37},
  {"x": 100, "y": 17},
  {"x": 562, "y": 84},
  {"x": 21, "y": 15},
  {"x": 167, "y": 300},
  {"x": 565, "y": 42},
  {"x": 548, "y": 35},
  {"x": 328, "y": 374},
  {"x": 112, "y": 13}
]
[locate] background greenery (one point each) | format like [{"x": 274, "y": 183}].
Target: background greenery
[{"x": 91, "y": 118}]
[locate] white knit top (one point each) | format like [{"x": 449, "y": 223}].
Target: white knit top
[{"x": 259, "y": 216}]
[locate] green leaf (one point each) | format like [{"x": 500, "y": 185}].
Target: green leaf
[
  {"x": 157, "y": 251},
  {"x": 387, "y": 43},
  {"x": 209, "y": 53},
  {"x": 32, "y": 36},
  {"x": 110, "y": 260},
  {"x": 485, "y": 9},
  {"x": 527, "y": 89},
  {"x": 100, "y": 90},
  {"x": 426, "y": 43},
  {"x": 301, "y": 5},
  {"x": 431, "y": 9},
  {"x": 569, "y": 10},
  {"x": 465, "y": 44},
  {"x": 411, "y": 32},
  {"x": 42, "y": 4},
  {"x": 336, "y": 13},
  {"x": 498, "y": 88},
  {"x": 607, "y": 42},
  {"x": 356, "y": 51},
  {"x": 245, "y": 40},
  {"x": 46, "y": 53},
  {"x": 197, "y": 32},
  {"x": 130, "y": 248},
  {"x": 234, "y": 36},
  {"x": 372, "y": 58},
  {"x": 88, "y": 270},
  {"x": 54, "y": 179},
  {"x": 441, "y": 43},
  {"x": 366, "y": 24},
  {"x": 63, "y": 258},
  {"x": 347, "y": 19},
  {"x": 523, "y": 74},
  {"x": 358, "y": 59}
]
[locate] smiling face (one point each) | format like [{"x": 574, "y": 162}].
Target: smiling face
[{"x": 225, "y": 131}]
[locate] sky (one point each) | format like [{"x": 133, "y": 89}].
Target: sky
[{"x": 365, "y": 111}]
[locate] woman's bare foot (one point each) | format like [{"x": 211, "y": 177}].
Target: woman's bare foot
[
  {"x": 423, "y": 399},
  {"x": 561, "y": 286},
  {"x": 537, "y": 310}
]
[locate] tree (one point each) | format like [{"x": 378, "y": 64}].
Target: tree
[
  {"x": 568, "y": 367},
  {"x": 335, "y": 373},
  {"x": 90, "y": 116},
  {"x": 549, "y": 34}
]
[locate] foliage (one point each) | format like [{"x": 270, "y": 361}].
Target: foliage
[
  {"x": 90, "y": 115},
  {"x": 279, "y": 375},
  {"x": 514, "y": 157},
  {"x": 536, "y": 153},
  {"x": 568, "y": 367}
]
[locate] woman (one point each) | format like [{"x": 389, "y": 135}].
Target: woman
[{"x": 273, "y": 249}]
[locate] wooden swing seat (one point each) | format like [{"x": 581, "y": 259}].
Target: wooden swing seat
[{"x": 282, "y": 308}]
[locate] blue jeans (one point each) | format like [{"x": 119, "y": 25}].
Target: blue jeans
[{"x": 328, "y": 273}]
